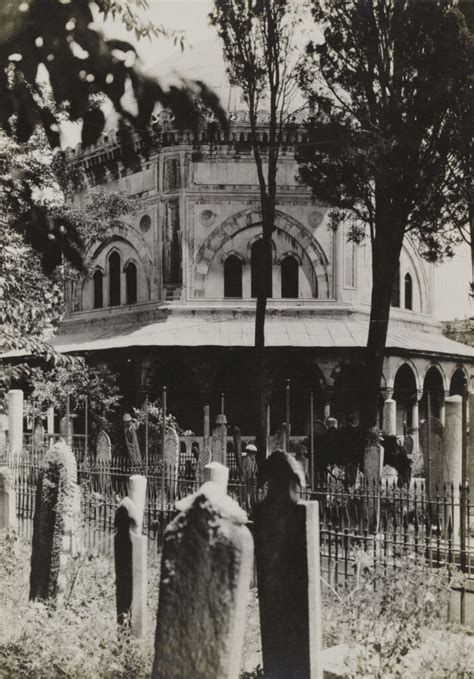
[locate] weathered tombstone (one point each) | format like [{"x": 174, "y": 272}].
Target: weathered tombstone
[
  {"x": 279, "y": 440},
  {"x": 15, "y": 421},
  {"x": 130, "y": 551},
  {"x": 103, "y": 451},
  {"x": 64, "y": 432},
  {"x": 373, "y": 464},
  {"x": 206, "y": 569},
  {"x": 219, "y": 440},
  {"x": 205, "y": 456},
  {"x": 237, "y": 448},
  {"x": 288, "y": 574},
  {"x": 56, "y": 521},
  {"x": 131, "y": 440},
  {"x": 8, "y": 520},
  {"x": 38, "y": 436},
  {"x": 171, "y": 461},
  {"x": 207, "y": 426}
]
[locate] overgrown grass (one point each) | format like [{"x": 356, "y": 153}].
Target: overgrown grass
[{"x": 393, "y": 627}]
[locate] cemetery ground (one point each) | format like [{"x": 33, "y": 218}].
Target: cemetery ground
[{"x": 398, "y": 630}]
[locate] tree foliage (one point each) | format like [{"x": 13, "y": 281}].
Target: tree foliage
[{"x": 389, "y": 81}]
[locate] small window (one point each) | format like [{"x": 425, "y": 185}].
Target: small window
[
  {"x": 289, "y": 278},
  {"x": 232, "y": 277},
  {"x": 349, "y": 259},
  {"x": 131, "y": 283},
  {"x": 256, "y": 265},
  {"x": 114, "y": 279},
  {"x": 408, "y": 292},
  {"x": 395, "y": 298},
  {"x": 172, "y": 174},
  {"x": 98, "y": 290}
]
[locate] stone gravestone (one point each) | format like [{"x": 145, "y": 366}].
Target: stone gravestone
[
  {"x": 288, "y": 576},
  {"x": 103, "y": 451},
  {"x": 219, "y": 440},
  {"x": 131, "y": 440},
  {"x": 171, "y": 461},
  {"x": 38, "y": 436},
  {"x": 130, "y": 552},
  {"x": 8, "y": 520},
  {"x": 56, "y": 521},
  {"x": 432, "y": 458},
  {"x": 205, "y": 457},
  {"x": 237, "y": 449},
  {"x": 206, "y": 568},
  {"x": 373, "y": 465}
]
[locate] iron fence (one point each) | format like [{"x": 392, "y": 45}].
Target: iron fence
[{"x": 365, "y": 529}]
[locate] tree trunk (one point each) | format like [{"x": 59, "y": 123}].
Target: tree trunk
[{"x": 384, "y": 266}]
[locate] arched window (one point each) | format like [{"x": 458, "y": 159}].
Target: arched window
[
  {"x": 256, "y": 263},
  {"x": 232, "y": 277},
  {"x": 408, "y": 291},
  {"x": 395, "y": 299},
  {"x": 98, "y": 289},
  {"x": 289, "y": 278},
  {"x": 131, "y": 283},
  {"x": 114, "y": 279}
]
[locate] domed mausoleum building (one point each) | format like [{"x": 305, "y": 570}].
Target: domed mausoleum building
[{"x": 170, "y": 294}]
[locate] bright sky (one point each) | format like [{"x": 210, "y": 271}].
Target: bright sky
[{"x": 161, "y": 57}]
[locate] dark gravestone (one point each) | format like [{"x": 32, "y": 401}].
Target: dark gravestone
[
  {"x": 56, "y": 521},
  {"x": 48, "y": 529},
  {"x": 206, "y": 569},
  {"x": 287, "y": 555},
  {"x": 123, "y": 563}
]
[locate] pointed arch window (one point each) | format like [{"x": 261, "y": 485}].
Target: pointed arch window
[
  {"x": 408, "y": 291},
  {"x": 98, "y": 280},
  {"x": 233, "y": 277},
  {"x": 131, "y": 283},
  {"x": 256, "y": 265},
  {"x": 289, "y": 278},
  {"x": 395, "y": 298},
  {"x": 114, "y": 279}
]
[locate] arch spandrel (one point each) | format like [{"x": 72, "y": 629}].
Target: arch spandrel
[{"x": 231, "y": 226}]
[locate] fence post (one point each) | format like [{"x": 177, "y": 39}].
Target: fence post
[
  {"x": 288, "y": 416},
  {"x": 15, "y": 421},
  {"x": 86, "y": 429},
  {"x": 206, "y": 568},
  {"x": 130, "y": 550},
  {"x": 288, "y": 574}
]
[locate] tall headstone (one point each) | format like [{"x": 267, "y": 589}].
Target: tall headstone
[
  {"x": 56, "y": 521},
  {"x": 131, "y": 440},
  {"x": 8, "y": 520},
  {"x": 130, "y": 551},
  {"x": 205, "y": 456},
  {"x": 38, "y": 435},
  {"x": 373, "y": 465},
  {"x": 207, "y": 427},
  {"x": 171, "y": 457},
  {"x": 15, "y": 421},
  {"x": 206, "y": 569},
  {"x": 103, "y": 450},
  {"x": 237, "y": 448},
  {"x": 288, "y": 574},
  {"x": 219, "y": 440}
]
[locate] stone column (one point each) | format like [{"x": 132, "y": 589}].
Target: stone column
[
  {"x": 452, "y": 467},
  {"x": 219, "y": 440},
  {"x": 470, "y": 459},
  {"x": 415, "y": 425},
  {"x": 442, "y": 413},
  {"x": 15, "y": 421},
  {"x": 390, "y": 417}
]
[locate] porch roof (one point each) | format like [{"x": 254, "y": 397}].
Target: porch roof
[{"x": 193, "y": 331}]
